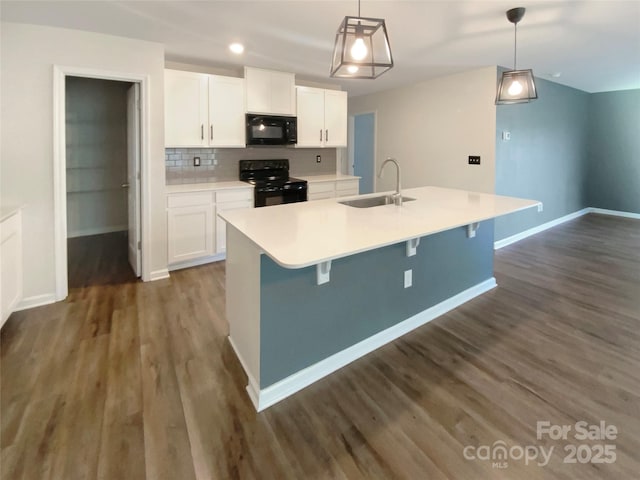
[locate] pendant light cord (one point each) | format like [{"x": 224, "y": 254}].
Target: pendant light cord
[
  {"x": 359, "y": 9},
  {"x": 515, "y": 44}
]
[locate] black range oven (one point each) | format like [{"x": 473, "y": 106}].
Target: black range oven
[{"x": 273, "y": 186}]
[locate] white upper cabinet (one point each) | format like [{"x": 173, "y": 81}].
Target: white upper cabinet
[
  {"x": 270, "y": 92},
  {"x": 310, "y": 117},
  {"x": 226, "y": 112},
  {"x": 185, "y": 109},
  {"x": 322, "y": 117},
  {"x": 335, "y": 118},
  {"x": 203, "y": 110}
]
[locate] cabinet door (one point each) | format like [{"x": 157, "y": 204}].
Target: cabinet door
[
  {"x": 226, "y": 112},
  {"x": 310, "y": 116},
  {"x": 283, "y": 91},
  {"x": 221, "y": 225},
  {"x": 185, "y": 109},
  {"x": 258, "y": 88},
  {"x": 270, "y": 92},
  {"x": 191, "y": 232},
  {"x": 335, "y": 118},
  {"x": 10, "y": 265}
]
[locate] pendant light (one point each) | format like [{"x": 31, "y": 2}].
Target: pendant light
[
  {"x": 361, "y": 48},
  {"x": 516, "y": 86}
]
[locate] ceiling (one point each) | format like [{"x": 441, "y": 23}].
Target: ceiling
[{"x": 593, "y": 45}]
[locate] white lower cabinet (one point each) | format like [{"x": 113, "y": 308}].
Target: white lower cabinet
[
  {"x": 10, "y": 264},
  {"x": 191, "y": 232},
  {"x": 320, "y": 190},
  {"x": 229, "y": 200},
  {"x": 347, "y": 188},
  {"x": 195, "y": 234}
]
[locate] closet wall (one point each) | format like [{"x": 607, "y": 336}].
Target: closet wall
[{"x": 96, "y": 123}]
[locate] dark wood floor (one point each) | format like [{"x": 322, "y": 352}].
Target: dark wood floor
[{"x": 130, "y": 380}]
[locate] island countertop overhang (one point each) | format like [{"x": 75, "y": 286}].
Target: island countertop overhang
[{"x": 303, "y": 234}]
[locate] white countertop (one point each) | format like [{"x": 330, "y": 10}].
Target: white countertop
[
  {"x": 326, "y": 178},
  {"x": 199, "y": 187},
  {"x": 302, "y": 234}
]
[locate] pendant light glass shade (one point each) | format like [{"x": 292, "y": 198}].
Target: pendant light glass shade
[
  {"x": 361, "y": 48},
  {"x": 516, "y": 86}
]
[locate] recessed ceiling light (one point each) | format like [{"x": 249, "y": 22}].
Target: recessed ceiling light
[{"x": 236, "y": 48}]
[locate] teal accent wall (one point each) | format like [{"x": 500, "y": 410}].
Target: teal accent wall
[
  {"x": 303, "y": 323},
  {"x": 546, "y": 158},
  {"x": 614, "y": 151}
]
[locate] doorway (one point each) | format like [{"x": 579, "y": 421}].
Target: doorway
[
  {"x": 102, "y": 163},
  {"x": 364, "y": 126}
]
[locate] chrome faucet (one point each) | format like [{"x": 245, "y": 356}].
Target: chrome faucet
[{"x": 397, "y": 197}]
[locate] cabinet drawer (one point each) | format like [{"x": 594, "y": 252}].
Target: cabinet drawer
[
  {"x": 189, "y": 199},
  {"x": 320, "y": 196},
  {"x": 350, "y": 185},
  {"x": 319, "y": 187},
  {"x": 223, "y": 196}
]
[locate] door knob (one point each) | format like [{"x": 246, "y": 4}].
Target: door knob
[{"x": 125, "y": 185}]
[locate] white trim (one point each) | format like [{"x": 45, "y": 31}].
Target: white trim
[
  {"x": 197, "y": 261},
  {"x": 545, "y": 226},
  {"x": 253, "y": 388},
  {"x": 299, "y": 380},
  {"x": 35, "y": 301},
  {"x": 60, "y": 73},
  {"x": 617, "y": 213},
  {"x": 158, "y": 275},
  {"x": 540, "y": 228},
  {"x": 97, "y": 231}
]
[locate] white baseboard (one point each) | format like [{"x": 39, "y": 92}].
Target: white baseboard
[
  {"x": 617, "y": 213},
  {"x": 278, "y": 391},
  {"x": 159, "y": 274},
  {"x": 540, "y": 228},
  {"x": 196, "y": 262},
  {"x": 545, "y": 226},
  {"x": 97, "y": 231},
  {"x": 253, "y": 388},
  {"x": 35, "y": 301}
]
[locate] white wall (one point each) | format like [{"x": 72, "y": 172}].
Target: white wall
[
  {"x": 432, "y": 127},
  {"x": 96, "y": 132},
  {"x": 28, "y": 54}
]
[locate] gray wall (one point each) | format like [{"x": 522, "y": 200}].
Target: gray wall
[
  {"x": 614, "y": 151},
  {"x": 546, "y": 157},
  {"x": 303, "y": 323}
]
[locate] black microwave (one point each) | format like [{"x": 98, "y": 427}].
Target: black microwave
[{"x": 271, "y": 130}]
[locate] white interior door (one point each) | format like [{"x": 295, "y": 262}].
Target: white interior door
[{"x": 133, "y": 175}]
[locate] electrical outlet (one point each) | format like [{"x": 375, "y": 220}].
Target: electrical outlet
[
  {"x": 408, "y": 278},
  {"x": 506, "y": 136},
  {"x": 196, "y": 161},
  {"x": 318, "y": 158},
  {"x": 474, "y": 159}
]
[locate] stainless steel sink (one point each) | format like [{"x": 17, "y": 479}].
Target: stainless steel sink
[{"x": 373, "y": 201}]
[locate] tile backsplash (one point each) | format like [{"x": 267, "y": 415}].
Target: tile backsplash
[{"x": 221, "y": 164}]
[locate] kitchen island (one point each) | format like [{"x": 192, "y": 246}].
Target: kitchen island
[{"x": 313, "y": 286}]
